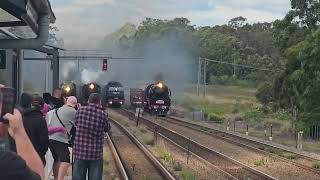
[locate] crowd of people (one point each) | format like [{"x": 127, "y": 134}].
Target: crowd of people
[{"x": 52, "y": 122}]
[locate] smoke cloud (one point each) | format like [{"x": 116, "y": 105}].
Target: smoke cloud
[
  {"x": 164, "y": 59},
  {"x": 90, "y": 75},
  {"x": 69, "y": 71}
]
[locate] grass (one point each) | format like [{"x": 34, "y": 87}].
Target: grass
[
  {"x": 186, "y": 175},
  {"x": 106, "y": 162},
  {"x": 143, "y": 130},
  {"x": 152, "y": 177},
  {"x": 164, "y": 153},
  {"x": 288, "y": 155},
  {"x": 259, "y": 162},
  {"x": 316, "y": 164},
  {"x": 148, "y": 140},
  {"x": 221, "y": 100},
  {"x": 281, "y": 153},
  {"x": 177, "y": 166},
  {"x": 161, "y": 150}
]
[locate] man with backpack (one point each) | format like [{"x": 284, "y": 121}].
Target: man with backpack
[{"x": 59, "y": 141}]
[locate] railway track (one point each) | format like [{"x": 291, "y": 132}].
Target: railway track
[
  {"x": 138, "y": 162},
  {"x": 117, "y": 161},
  {"x": 266, "y": 162},
  {"x": 300, "y": 160},
  {"x": 224, "y": 163}
]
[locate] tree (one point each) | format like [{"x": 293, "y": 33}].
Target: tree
[
  {"x": 264, "y": 94},
  {"x": 237, "y": 22},
  {"x": 308, "y": 12},
  {"x": 298, "y": 88}
]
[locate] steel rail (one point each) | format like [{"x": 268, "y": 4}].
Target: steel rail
[
  {"x": 232, "y": 166},
  {"x": 163, "y": 171},
  {"x": 117, "y": 159},
  {"x": 200, "y": 128}
]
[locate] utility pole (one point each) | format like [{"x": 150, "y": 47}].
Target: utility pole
[
  {"x": 199, "y": 76},
  {"x": 204, "y": 77},
  {"x": 234, "y": 67}
]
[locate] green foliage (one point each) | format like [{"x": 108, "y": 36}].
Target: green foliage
[
  {"x": 288, "y": 155},
  {"x": 259, "y": 162},
  {"x": 252, "y": 115},
  {"x": 177, "y": 166},
  {"x": 299, "y": 85},
  {"x": 283, "y": 115},
  {"x": 148, "y": 140},
  {"x": 215, "y": 118},
  {"x": 307, "y": 11},
  {"x": 264, "y": 93},
  {"x": 186, "y": 175},
  {"x": 164, "y": 153},
  {"x": 316, "y": 164}
]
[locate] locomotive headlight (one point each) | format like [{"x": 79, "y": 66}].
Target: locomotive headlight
[
  {"x": 67, "y": 89},
  {"x": 160, "y": 85},
  {"x": 91, "y": 86}
]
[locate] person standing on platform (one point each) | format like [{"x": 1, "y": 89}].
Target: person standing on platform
[
  {"x": 55, "y": 101},
  {"x": 34, "y": 124},
  {"x": 91, "y": 124},
  {"x": 59, "y": 140}
]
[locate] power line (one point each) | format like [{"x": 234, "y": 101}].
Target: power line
[{"x": 238, "y": 65}]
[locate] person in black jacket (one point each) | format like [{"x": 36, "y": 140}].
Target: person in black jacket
[
  {"x": 56, "y": 100},
  {"x": 34, "y": 124}
]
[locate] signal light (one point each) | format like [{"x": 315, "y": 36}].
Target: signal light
[{"x": 105, "y": 64}]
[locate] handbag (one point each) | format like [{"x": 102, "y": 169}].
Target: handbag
[{"x": 71, "y": 134}]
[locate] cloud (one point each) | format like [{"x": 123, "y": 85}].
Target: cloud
[
  {"x": 94, "y": 2},
  {"x": 84, "y": 22}
]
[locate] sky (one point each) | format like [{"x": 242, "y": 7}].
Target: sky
[{"x": 83, "y": 23}]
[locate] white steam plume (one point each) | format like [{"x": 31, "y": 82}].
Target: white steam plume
[
  {"x": 69, "y": 71},
  {"x": 89, "y": 75}
]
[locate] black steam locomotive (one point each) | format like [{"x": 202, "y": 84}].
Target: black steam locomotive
[
  {"x": 114, "y": 94},
  {"x": 69, "y": 89},
  {"x": 158, "y": 99},
  {"x": 88, "y": 89}
]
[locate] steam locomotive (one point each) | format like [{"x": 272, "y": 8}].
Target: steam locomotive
[
  {"x": 114, "y": 94},
  {"x": 69, "y": 89},
  {"x": 88, "y": 89},
  {"x": 158, "y": 99}
]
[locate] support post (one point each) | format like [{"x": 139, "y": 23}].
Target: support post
[
  {"x": 300, "y": 135},
  {"x": 247, "y": 132},
  {"x": 199, "y": 76},
  {"x": 20, "y": 77},
  {"x": 204, "y": 78},
  {"x": 155, "y": 133},
  {"x": 55, "y": 66},
  {"x": 228, "y": 126},
  {"x": 270, "y": 138},
  {"x": 188, "y": 149}
]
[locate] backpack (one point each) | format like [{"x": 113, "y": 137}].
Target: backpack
[{"x": 71, "y": 134}]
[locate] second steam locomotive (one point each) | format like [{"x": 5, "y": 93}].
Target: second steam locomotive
[{"x": 155, "y": 98}]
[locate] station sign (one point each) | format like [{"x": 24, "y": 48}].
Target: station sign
[{"x": 2, "y": 59}]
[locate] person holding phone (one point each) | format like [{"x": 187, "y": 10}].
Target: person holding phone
[
  {"x": 26, "y": 164},
  {"x": 34, "y": 124}
]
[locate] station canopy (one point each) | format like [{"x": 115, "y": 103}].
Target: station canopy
[{"x": 20, "y": 17}]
